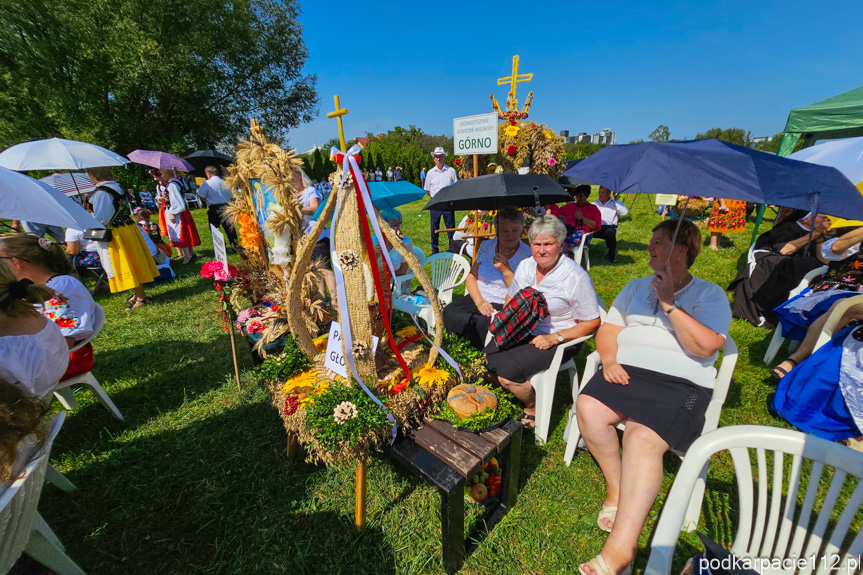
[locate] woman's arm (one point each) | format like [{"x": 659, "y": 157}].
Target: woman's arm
[
  {"x": 606, "y": 345},
  {"x": 312, "y": 207},
  {"x": 73, "y": 248},
  {"x": 696, "y": 338},
  {"x": 847, "y": 240},
  {"x": 473, "y": 291}
]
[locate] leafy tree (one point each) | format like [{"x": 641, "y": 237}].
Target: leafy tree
[
  {"x": 639, "y": 141},
  {"x": 172, "y": 75},
  {"x": 737, "y": 136},
  {"x": 581, "y": 150},
  {"x": 660, "y": 134}
]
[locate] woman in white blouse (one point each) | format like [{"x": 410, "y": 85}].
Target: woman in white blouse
[
  {"x": 489, "y": 279},
  {"x": 33, "y": 353},
  {"x": 71, "y": 307},
  {"x": 660, "y": 387},
  {"x": 572, "y": 305}
]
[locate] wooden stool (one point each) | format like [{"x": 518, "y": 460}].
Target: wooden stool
[{"x": 447, "y": 457}]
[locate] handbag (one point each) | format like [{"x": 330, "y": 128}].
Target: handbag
[{"x": 98, "y": 234}]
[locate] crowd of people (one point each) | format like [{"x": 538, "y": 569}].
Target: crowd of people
[{"x": 522, "y": 300}]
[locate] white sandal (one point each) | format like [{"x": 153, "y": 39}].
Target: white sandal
[
  {"x": 607, "y": 512},
  {"x": 600, "y": 567}
]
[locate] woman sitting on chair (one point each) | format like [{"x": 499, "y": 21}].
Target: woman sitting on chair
[
  {"x": 566, "y": 293},
  {"x": 33, "y": 352},
  {"x": 489, "y": 279},
  {"x": 662, "y": 409},
  {"x": 72, "y": 308}
]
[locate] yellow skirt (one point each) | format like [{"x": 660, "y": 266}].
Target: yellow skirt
[{"x": 132, "y": 262}]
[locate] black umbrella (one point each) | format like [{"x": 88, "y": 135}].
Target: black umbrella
[
  {"x": 203, "y": 158},
  {"x": 497, "y": 190},
  {"x": 569, "y": 181}
]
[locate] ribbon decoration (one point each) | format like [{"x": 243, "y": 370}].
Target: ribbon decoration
[{"x": 348, "y": 161}]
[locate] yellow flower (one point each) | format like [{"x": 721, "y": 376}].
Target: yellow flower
[
  {"x": 407, "y": 332},
  {"x": 321, "y": 342},
  {"x": 428, "y": 374},
  {"x": 304, "y": 380},
  {"x": 548, "y": 135},
  {"x": 511, "y": 131}
]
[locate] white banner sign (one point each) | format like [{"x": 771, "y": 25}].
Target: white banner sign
[
  {"x": 219, "y": 246},
  {"x": 475, "y": 134},
  {"x": 335, "y": 360}
]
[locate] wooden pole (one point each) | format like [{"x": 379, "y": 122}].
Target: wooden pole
[
  {"x": 475, "y": 165},
  {"x": 292, "y": 444},
  {"x": 360, "y": 511},
  {"x": 234, "y": 354}
]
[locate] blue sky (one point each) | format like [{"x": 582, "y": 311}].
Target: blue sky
[{"x": 628, "y": 66}]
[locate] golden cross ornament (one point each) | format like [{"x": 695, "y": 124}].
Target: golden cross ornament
[
  {"x": 513, "y": 83},
  {"x": 337, "y": 114}
]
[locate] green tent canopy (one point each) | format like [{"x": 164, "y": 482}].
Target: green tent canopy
[{"x": 837, "y": 117}]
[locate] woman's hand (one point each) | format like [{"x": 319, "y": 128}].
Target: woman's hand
[
  {"x": 663, "y": 283},
  {"x": 614, "y": 373},
  {"x": 501, "y": 263},
  {"x": 485, "y": 308},
  {"x": 544, "y": 341}
]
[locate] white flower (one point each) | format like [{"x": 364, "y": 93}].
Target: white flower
[{"x": 344, "y": 411}]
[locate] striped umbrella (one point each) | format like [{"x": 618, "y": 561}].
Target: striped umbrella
[{"x": 71, "y": 184}]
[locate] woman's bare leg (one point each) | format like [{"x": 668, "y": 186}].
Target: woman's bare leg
[{"x": 597, "y": 423}]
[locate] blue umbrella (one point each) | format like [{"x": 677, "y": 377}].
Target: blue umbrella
[
  {"x": 388, "y": 195},
  {"x": 718, "y": 169}
]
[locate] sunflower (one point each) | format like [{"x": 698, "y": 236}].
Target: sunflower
[
  {"x": 428, "y": 374},
  {"x": 304, "y": 380},
  {"x": 321, "y": 342},
  {"x": 511, "y": 131}
]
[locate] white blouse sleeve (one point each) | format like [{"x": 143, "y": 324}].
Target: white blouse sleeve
[
  {"x": 828, "y": 254},
  {"x": 175, "y": 195},
  {"x": 617, "y": 313},
  {"x": 583, "y": 299},
  {"x": 520, "y": 279}
]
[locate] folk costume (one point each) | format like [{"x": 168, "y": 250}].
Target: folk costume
[
  {"x": 182, "y": 232},
  {"x": 131, "y": 263}
]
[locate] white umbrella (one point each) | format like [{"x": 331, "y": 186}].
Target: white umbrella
[
  {"x": 58, "y": 154},
  {"x": 23, "y": 198},
  {"x": 70, "y": 184},
  {"x": 844, "y": 155}
]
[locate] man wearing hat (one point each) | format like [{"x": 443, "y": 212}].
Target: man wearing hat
[{"x": 438, "y": 178}]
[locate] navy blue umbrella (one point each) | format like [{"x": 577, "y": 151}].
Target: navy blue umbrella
[{"x": 714, "y": 168}]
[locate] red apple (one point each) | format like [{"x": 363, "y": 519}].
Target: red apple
[{"x": 479, "y": 492}]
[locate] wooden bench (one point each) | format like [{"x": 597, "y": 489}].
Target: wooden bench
[{"x": 447, "y": 458}]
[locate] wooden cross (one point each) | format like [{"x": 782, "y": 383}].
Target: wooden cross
[
  {"x": 513, "y": 80},
  {"x": 337, "y": 114}
]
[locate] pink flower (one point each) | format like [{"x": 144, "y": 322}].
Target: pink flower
[
  {"x": 215, "y": 270},
  {"x": 255, "y": 327},
  {"x": 551, "y": 161}
]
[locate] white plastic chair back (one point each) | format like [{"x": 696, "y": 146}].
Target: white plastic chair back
[
  {"x": 18, "y": 503},
  {"x": 791, "y": 501},
  {"x": 98, "y": 324},
  {"x": 419, "y": 254},
  {"x": 831, "y": 326},
  {"x": 448, "y": 271}
]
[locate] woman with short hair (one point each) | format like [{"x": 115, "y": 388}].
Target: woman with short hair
[
  {"x": 489, "y": 279},
  {"x": 660, "y": 387},
  {"x": 573, "y": 312}
]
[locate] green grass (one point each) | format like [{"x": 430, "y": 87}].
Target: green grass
[{"x": 196, "y": 479}]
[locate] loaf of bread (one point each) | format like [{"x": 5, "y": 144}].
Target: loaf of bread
[{"x": 467, "y": 399}]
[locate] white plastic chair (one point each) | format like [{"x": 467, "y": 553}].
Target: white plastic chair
[
  {"x": 545, "y": 382},
  {"x": 778, "y": 339},
  {"x": 795, "y": 506},
  {"x": 63, "y": 392},
  {"x": 572, "y": 435},
  {"x": 22, "y": 528},
  {"x": 448, "y": 271},
  {"x": 581, "y": 251},
  {"x": 832, "y": 323},
  {"x": 419, "y": 254}
]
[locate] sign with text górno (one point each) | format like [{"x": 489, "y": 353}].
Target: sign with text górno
[{"x": 475, "y": 134}]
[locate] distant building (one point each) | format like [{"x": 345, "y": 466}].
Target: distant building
[
  {"x": 761, "y": 140},
  {"x": 564, "y": 134},
  {"x": 606, "y": 136}
]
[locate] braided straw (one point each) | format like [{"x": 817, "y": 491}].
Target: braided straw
[{"x": 414, "y": 265}]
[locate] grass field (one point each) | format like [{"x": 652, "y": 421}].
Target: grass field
[{"x": 196, "y": 479}]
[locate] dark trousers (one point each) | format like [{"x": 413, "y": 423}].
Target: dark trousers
[
  {"x": 609, "y": 234},
  {"x": 462, "y": 318},
  {"x": 214, "y": 216},
  {"x": 449, "y": 222}
]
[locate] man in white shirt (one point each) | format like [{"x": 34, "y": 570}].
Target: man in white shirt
[
  {"x": 379, "y": 176},
  {"x": 390, "y": 174},
  {"x": 611, "y": 210},
  {"x": 217, "y": 194},
  {"x": 439, "y": 177}
]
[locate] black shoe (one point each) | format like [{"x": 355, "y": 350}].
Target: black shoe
[{"x": 613, "y": 259}]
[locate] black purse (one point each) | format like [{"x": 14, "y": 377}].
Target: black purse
[{"x": 98, "y": 234}]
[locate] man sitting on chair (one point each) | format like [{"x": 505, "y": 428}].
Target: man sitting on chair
[{"x": 610, "y": 210}]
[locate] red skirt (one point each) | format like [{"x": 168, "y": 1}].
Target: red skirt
[
  {"x": 183, "y": 233},
  {"x": 80, "y": 362}
]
